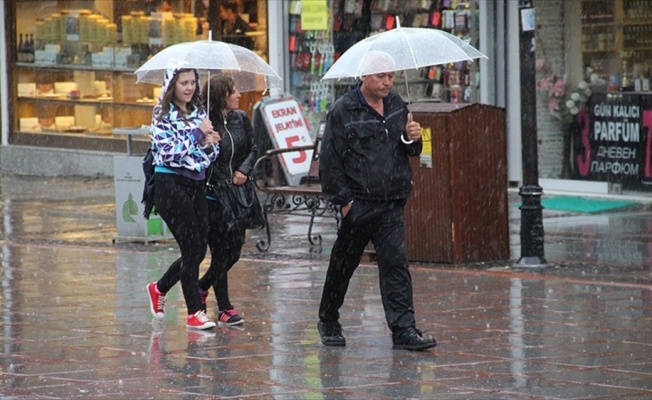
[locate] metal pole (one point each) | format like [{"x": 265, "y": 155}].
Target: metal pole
[{"x": 530, "y": 192}]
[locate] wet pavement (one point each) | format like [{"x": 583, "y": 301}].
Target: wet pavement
[{"x": 75, "y": 321}]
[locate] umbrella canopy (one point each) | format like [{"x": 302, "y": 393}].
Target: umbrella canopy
[
  {"x": 404, "y": 48},
  {"x": 248, "y": 69}
]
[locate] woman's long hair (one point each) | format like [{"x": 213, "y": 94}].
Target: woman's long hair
[
  {"x": 222, "y": 86},
  {"x": 194, "y": 102}
]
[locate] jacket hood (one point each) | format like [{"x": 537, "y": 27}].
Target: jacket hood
[{"x": 172, "y": 70}]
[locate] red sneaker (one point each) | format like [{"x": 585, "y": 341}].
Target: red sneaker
[
  {"x": 199, "y": 320},
  {"x": 156, "y": 301}
]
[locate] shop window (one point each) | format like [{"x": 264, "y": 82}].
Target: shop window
[
  {"x": 74, "y": 64},
  {"x": 311, "y": 52},
  {"x": 616, "y": 42}
]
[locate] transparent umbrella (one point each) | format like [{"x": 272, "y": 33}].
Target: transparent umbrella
[
  {"x": 249, "y": 71},
  {"x": 401, "y": 49}
]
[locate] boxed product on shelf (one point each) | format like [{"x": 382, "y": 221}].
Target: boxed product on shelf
[
  {"x": 65, "y": 87},
  {"x": 99, "y": 87},
  {"x": 48, "y": 55},
  {"x": 29, "y": 124},
  {"x": 122, "y": 57},
  {"x": 27, "y": 89},
  {"x": 101, "y": 59},
  {"x": 45, "y": 57},
  {"x": 64, "y": 122},
  {"x": 55, "y": 48},
  {"x": 85, "y": 116}
]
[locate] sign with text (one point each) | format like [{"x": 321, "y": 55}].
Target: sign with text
[
  {"x": 314, "y": 15},
  {"x": 615, "y": 141},
  {"x": 288, "y": 127}
]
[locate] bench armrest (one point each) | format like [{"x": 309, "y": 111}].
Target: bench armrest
[{"x": 273, "y": 152}]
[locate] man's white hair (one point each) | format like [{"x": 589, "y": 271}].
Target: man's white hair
[{"x": 375, "y": 62}]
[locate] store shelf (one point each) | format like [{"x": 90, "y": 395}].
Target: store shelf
[
  {"x": 109, "y": 101},
  {"x": 86, "y": 99},
  {"x": 74, "y": 67},
  {"x": 629, "y": 22},
  {"x": 590, "y": 25},
  {"x": 598, "y": 51},
  {"x": 617, "y": 47}
]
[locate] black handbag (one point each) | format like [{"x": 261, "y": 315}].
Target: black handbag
[{"x": 239, "y": 204}]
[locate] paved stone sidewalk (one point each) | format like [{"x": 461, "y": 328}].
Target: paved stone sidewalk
[{"x": 75, "y": 321}]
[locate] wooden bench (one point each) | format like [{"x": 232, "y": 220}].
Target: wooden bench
[{"x": 304, "y": 199}]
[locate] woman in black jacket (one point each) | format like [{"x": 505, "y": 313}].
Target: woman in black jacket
[{"x": 234, "y": 166}]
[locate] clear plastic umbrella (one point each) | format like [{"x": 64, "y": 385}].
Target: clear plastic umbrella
[
  {"x": 401, "y": 49},
  {"x": 249, "y": 71}
]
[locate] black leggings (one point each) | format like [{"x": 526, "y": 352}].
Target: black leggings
[
  {"x": 226, "y": 245},
  {"x": 181, "y": 202}
]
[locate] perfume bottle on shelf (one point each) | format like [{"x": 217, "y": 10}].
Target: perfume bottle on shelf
[{"x": 626, "y": 82}]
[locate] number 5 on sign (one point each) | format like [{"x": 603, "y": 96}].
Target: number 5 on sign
[
  {"x": 287, "y": 127},
  {"x": 293, "y": 141}
]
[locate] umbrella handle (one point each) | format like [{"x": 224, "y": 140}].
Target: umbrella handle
[
  {"x": 402, "y": 138},
  {"x": 406, "y": 141}
]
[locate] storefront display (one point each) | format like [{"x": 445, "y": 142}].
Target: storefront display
[
  {"x": 617, "y": 41},
  {"x": 311, "y": 52},
  {"x": 609, "y": 138},
  {"x": 73, "y": 69}
]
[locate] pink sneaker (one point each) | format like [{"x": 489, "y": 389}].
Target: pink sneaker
[
  {"x": 156, "y": 301},
  {"x": 230, "y": 317},
  {"x": 199, "y": 320}
]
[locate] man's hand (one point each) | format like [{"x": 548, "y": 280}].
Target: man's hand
[
  {"x": 413, "y": 129},
  {"x": 346, "y": 208}
]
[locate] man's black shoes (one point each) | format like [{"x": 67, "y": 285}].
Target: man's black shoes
[
  {"x": 404, "y": 339},
  {"x": 411, "y": 339},
  {"x": 331, "y": 333}
]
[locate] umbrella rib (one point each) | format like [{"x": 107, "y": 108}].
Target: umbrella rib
[
  {"x": 360, "y": 64},
  {"x": 409, "y": 48}
]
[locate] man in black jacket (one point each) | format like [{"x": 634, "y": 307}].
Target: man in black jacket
[{"x": 364, "y": 170}]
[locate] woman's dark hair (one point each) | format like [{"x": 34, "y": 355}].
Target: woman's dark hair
[
  {"x": 194, "y": 102},
  {"x": 221, "y": 87}
]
